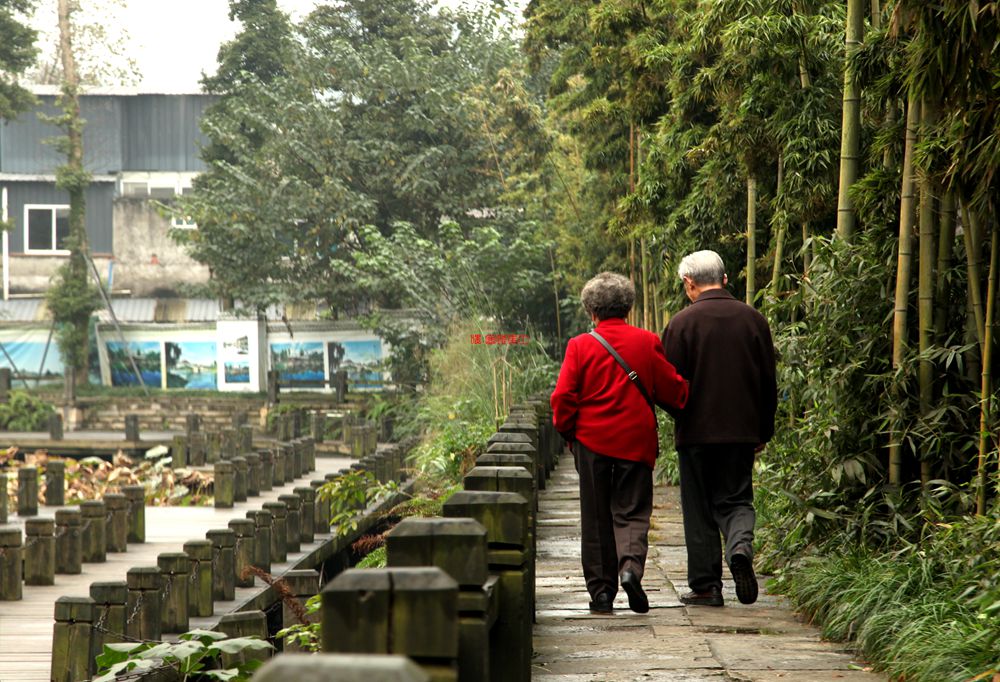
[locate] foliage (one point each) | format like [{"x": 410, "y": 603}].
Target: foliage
[
  {"x": 374, "y": 559},
  {"x": 349, "y": 495},
  {"x": 305, "y": 634},
  {"x": 17, "y": 55},
  {"x": 24, "y": 412},
  {"x": 195, "y": 656}
]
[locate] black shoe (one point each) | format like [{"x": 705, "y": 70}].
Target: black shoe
[
  {"x": 637, "y": 600},
  {"x": 741, "y": 566},
  {"x": 602, "y": 604},
  {"x": 711, "y": 597}
]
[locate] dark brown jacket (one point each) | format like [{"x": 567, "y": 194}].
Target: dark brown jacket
[{"x": 723, "y": 348}]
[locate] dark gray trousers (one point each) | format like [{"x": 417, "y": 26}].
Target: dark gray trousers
[
  {"x": 616, "y": 501},
  {"x": 716, "y": 495}
]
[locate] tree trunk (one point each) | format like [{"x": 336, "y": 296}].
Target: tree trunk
[
  {"x": 751, "y": 238},
  {"x": 555, "y": 297},
  {"x": 657, "y": 312},
  {"x": 851, "y": 122},
  {"x": 986, "y": 395},
  {"x": 907, "y": 206},
  {"x": 647, "y": 322},
  {"x": 946, "y": 249},
  {"x": 779, "y": 239},
  {"x": 925, "y": 299}
]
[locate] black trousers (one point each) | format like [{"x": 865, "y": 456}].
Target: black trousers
[
  {"x": 616, "y": 501},
  {"x": 716, "y": 496}
]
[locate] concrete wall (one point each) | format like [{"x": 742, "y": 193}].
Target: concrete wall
[{"x": 147, "y": 261}]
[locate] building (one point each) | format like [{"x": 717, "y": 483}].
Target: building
[{"x": 143, "y": 149}]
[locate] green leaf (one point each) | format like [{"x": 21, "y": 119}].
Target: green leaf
[{"x": 238, "y": 644}]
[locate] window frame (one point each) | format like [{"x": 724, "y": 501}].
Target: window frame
[{"x": 27, "y": 238}]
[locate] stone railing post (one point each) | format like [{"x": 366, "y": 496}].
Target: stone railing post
[
  {"x": 253, "y": 474},
  {"x": 505, "y": 517},
  {"x": 245, "y": 438},
  {"x": 262, "y": 539},
  {"x": 290, "y": 472},
  {"x": 279, "y": 531},
  {"x": 213, "y": 447},
  {"x": 55, "y": 483},
  {"x": 27, "y": 491},
  {"x": 412, "y": 611},
  {"x": 11, "y": 557},
  {"x": 457, "y": 547},
  {"x": 178, "y": 451},
  {"x": 241, "y": 472},
  {"x": 302, "y": 584},
  {"x": 132, "y": 428},
  {"x": 321, "y": 524},
  {"x": 200, "y": 602},
  {"x": 318, "y": 426},
  {"x": 142, "y": 610},
  {"x": 307, "y": 513},
  {"x": 55, "y": 426},
  {"x": 95, "y": 534},
  {"x": 293, "y": 522},
  {"x": 110, "y": 599},
  {"x": 198, "y": 449},
  {"x": 224, "y": 485},
  {"x": 3, "y": 497},
  {"x": 244, "y": 550},
  {"x": 175, "y": 569},
  {"x": 239, "y": 418},
  {"x": 72, "y": 639},
  {"x": 245, "y": 624},
  {"x": 192, "y": 423},
  {"x": 284, "y": 428},
  {"x": 136, "y": 496},
  {"x": 117, "y": 529},
  {"x": 278, "y": 467},
  {"x": 230, "y": 446},
  {"x": 39, "y": 552},
  {"x": 223, "y": 564},
  {"x": 69, "y": 541},
  {"x": 347, "y": 667},
  {"x": 266, "y": 480}
]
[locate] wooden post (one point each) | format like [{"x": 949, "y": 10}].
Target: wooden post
[
  {"x": 318, "y": 426},
  {"x": 110, "y": 599},
  {"x": 178, "y": 451},
  {"x": 457, "y": 547},
  {"x": 261, "y": 539},
  {"x": 302, "y": 584},
  {"x": 174, "y": 568},
  {"x": 192, "y": 424},
  {"x": 279, "y": 531},
  {"x": 278, "y": 468},
  {"x": 291, "y": 473},
  {"x": 55, "y": 483},
  {"x": 117, "y": 530},
  {"x": 11, "y": 554},
  {"x": 39, "y": 552},
  {"x": 293, "y": 522},
  {"x": 253, "y": 474},
  {"x": 230, "y": 448},
  {"x": 142, "y": 611},
  {"x": 27, "y": 491},
  {"x": 322, "y": 515},
  {"x": 95, "y": 523},
  {"x": 213, "y": 447},
  {"x": 245, "y": 439},
  {"x": 241, "y": 472},
  {"x": 273, "y": 387},
  {"x": 307, "y": 514},
  {"x": 5, "y": 375},
  {"x": 245, "y": 624},
  {"x": 198, "y": 449},
  {"x": 266, "y": 479},
  {"x": 224, "y": 485},
  {"x": 346, "y": 667},
  {"x": 244, "y": 550},
  {"x": 200, "y": 604},
  {"x": 412, "y": 611},
  {"x": 223, "y": 564},
  {"x": 69, "y": 541},
  {"x": 3, "y": 497},
  {"x": 72, "y": 640},
  {"x": 505, "y": 518},
  {"x": 55, "y": 426},
  {"x": 136, "y": 496},
  {"x": 132, "y": 428}
]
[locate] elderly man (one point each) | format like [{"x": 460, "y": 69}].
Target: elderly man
[
  {"x": 723, "y": 347},
  {"x": 603, "y": 405}
]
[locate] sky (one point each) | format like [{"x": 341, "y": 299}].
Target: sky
[{"x": 172, "y": 41}]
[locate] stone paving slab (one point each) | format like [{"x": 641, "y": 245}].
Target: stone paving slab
[{"x": 762, "y": 642}]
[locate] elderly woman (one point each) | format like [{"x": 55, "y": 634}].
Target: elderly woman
[{"x": 603, "y": 406}]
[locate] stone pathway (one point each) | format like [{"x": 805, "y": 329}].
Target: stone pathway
[{"x": 764, "y": 642}]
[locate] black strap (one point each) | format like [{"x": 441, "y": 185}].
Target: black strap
[{"x": 633, "y": 376}]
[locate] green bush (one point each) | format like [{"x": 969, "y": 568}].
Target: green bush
[{"x": 25, "y": 412}]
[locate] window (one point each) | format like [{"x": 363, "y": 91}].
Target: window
[
  {"x": 186, "y": 222},
  {"x": 46, "y": 228}
]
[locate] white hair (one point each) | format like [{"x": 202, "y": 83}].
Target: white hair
[{"x": 702, "y": 267}]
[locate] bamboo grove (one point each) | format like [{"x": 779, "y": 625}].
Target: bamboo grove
[{"x": 811, "y": 143}]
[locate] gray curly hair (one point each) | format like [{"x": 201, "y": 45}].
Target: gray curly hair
[{"x": 608, "y": 295}]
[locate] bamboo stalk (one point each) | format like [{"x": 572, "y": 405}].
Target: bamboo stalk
[
  {"x": 646, "y": 323},
  {"x": 946, "y": 249},
  {"x": 751, "y": 238},
  {"x": 986, "y": 394},
  {"x": 907, "y": 206},
  {"x": 850, "y": 138},
  {"x": 972, "y": 264},
  {"x": 925, "y": 293},
  {"x": 779, "y": 239}
]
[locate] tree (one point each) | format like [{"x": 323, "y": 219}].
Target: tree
[
  {"x": 851, "y": 125},
  {"x": 16, "y": 54}
]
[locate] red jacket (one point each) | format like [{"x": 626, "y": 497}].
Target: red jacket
[{"x": 596, "y": 404}]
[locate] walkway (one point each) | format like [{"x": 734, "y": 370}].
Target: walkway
[
  {"x": 26, "y": 626},
  {"x": 764, "y": 642}
]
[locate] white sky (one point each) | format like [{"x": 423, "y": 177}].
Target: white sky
[{"x": 174, "y": 41}]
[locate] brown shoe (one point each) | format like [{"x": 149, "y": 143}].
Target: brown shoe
[{"x": 711, "y": 597}]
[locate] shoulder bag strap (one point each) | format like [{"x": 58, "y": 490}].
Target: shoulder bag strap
[{"x": 633, "y": 376}]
